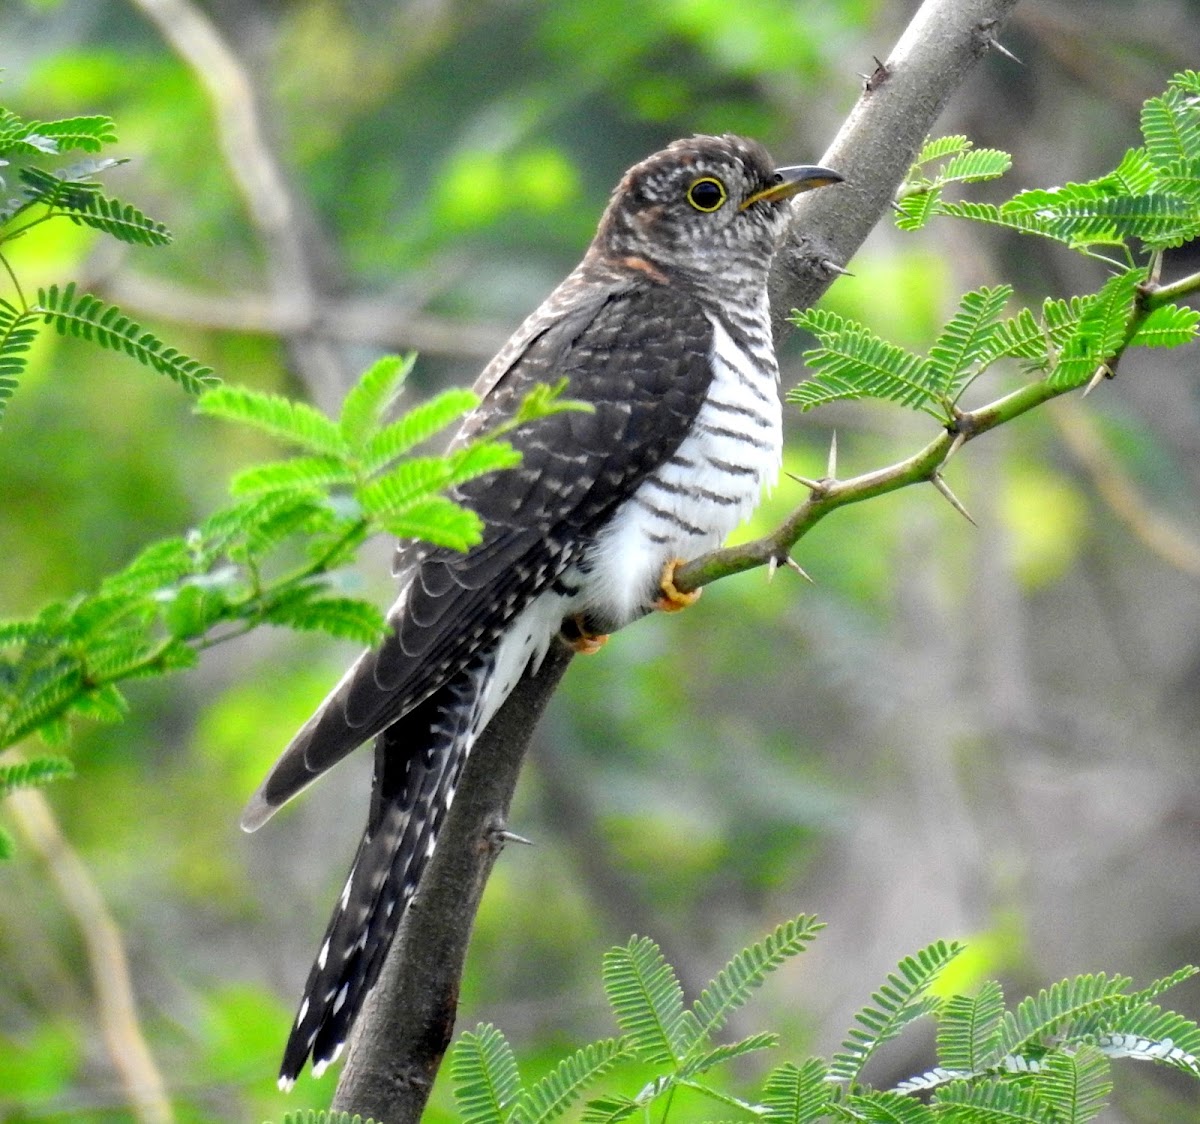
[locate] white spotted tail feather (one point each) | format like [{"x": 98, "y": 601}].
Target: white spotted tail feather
[{"x": 410, "y": 798}]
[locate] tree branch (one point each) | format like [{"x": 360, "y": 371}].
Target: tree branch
[
  {"x": 116, "y": 1007},
  {"x": 406, "y": 1025}
]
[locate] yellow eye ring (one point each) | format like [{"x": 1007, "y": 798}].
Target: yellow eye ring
[{"x": 707, "y": 194}]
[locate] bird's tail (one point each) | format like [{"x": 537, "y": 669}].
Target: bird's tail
[{"x": 418, "y": 762}]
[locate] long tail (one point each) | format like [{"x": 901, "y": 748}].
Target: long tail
[{"x": 418, "y": 762}]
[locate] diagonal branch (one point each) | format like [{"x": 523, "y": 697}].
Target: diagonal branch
[
  {"x": 403, "y": 1032},
  {"x": 116, "y": 1008}
]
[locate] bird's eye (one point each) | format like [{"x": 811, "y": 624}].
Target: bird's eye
[{"x": 706, "y": 194}]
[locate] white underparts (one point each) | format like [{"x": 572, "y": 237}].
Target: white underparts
[{"x": 693, "y": 501}]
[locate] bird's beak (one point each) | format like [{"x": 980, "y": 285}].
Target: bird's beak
[{"x": 792, "y": 181}]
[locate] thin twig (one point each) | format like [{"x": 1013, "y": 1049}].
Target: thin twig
[{"x": 116, "y": 1009}]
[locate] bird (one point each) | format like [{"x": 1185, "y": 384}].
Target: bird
[{"x": 663, "y": 333}]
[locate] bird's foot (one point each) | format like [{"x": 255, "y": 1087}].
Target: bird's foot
[
  {"x": 578, "y": 636},
  {"x": 671, "y": 599}
]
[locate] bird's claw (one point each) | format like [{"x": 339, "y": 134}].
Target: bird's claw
[
  {"x": 672, "y": 599},
  {"x": 580, "y": 638}
]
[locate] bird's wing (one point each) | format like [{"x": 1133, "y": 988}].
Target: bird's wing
[{"x": 639, "y": 357}]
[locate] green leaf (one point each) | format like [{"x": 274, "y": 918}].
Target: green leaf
[
  {"x": 1135, "y": 175},
  {"x": 975, "y": 165},
  {"x": 1169, "y": 325},
  {"x": 1053, "y": 1010},
  {"x": 87, "y": 317},
  {"x": 646, "y": 998},
  {"x": 346, "y": 618},
  {"x": 941, "y": 147},
  {"x": 436, "y": 520},
  {"x": 317, "y": 472},
  {"x": 486, "y": 1080},
  {"x": 17, "y": 332},
  {"x": 550, "y": 1097},
  {"x": 1099, "y": 334},
  {"x": 968, "y": 1035},
  {"x": 915, "y": 210},
  {"x": 990, "y": 1102},
  {"x": 797, "y": 1094},
  {"x": 967, "y": 343},
  {"x": 55, "y": 192},
  {"x": 418, "y": 425},
  {"x": 746, "y": 971},
  {"x": 896, "y": 1004},
  {"x": 1182, "y": 178},
  {"x": 294, "y": 422},
  {"x": 1171, "y": 129},
  {"x": 1074, "y": 1085},
  {"x": 850, "y": 361},
  {"x": 34, "y": 773},
  {"x": 121, "y": 220},
  {"x": 86, "y": 134},
  {"x": 415, "y": 479},
  {"x": 369, "y": 399},
  {"x": 889, "y": 1108},
  {"x": 1075, "y": 231},
  {"x": 159, "y": 566},
  {"x": 1164, "y": 983},
  {"x": 698, "y": 1063},
  {"x": 1148, "y": 1033},
  {"x": 609, "y": 1109}
]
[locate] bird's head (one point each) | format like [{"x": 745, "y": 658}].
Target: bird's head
[{"x": 703, "y": 205}]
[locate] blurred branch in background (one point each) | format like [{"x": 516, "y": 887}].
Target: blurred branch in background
[
  {"x": 112, "y": 989},
  {"x": 1158, "y": 533},
  {"x": 296, "y": 277},
  {"x": 376, "y": 321}
]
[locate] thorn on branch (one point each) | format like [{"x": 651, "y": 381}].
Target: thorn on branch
[
  {"x": 940, "y": 484},
  {"x": 877, "y": 77},
  {"x": 963, "y": 428},
  {"x": 785, "y": 559},
  {"x": 1104, "y": 371},
  {"x": 817, "y": 487},
  {"x": 986, "y": 38},
  {"x": 828, "y": 265},
  {"x": 500, "y": 836},
  {"x": 831, "y": 465}
]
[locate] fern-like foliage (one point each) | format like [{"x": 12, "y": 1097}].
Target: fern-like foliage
[
  {"x": 268, "y": 558},
  {"x": 43, "y": 193},
  {"x": 734, "y": 984},
  {"x": 897, "y": 1003},
  {"x": 1153, "y": 196},
  {"x": 552, "y": 1095},
  {"x": 1060, "y": 1043},
  {"x": 968, "y": 1036},
  {"x": 1149, "y": 202},
  {"x": 88, "y": 318},
  {"x": 487, "y": 1082},
  {"x": 797, "y": 1094},
  {"x": 647, "y": 999}
]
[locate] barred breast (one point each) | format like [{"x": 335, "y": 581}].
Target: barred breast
[{"x": 714, "y": 480}]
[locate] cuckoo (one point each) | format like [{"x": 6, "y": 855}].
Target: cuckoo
[{"x": 663, "y": 331}]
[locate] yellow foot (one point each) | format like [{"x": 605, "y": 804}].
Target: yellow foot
[
  {"x": 577, "y": 635},
  {"x": 671, "y": 599}
]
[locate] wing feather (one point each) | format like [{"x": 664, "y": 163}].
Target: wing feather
[{"x": 638, "y": 355}]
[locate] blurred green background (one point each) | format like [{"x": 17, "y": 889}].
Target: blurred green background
[{"x": 981, "y": 734}]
